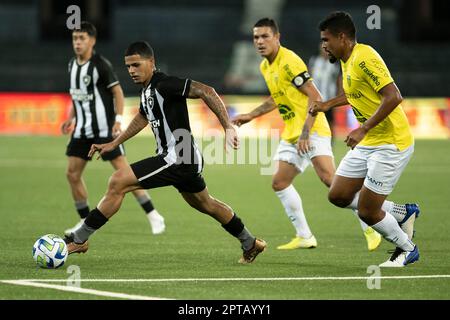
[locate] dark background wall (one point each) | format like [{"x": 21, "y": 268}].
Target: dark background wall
[{"x": 194, "y": 38}]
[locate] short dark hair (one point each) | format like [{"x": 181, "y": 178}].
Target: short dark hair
[
  {"x": 141, "y": 48},
  {"x": 337, "y": 22},
  {"x": 267, "y": 22},
  {"x": 87, "y": 27}
]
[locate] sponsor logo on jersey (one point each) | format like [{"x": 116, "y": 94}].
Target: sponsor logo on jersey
[
  {"x": 359, "y": 116},
  {"x": 155, "y": 123},
  {"x": 79, "y": 95},
  {"x": 286, "y": 112},
  {"x": 369, "y": 72},
  {"x": 353, "y": 95}
]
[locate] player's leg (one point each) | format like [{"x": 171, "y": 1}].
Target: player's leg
[
  {"x": 121, "y": 182},
  {"x": 385, "y": 165},
  {"x": 76, "y": 152},
  {"x": 221, "y": 212},
  {"x": 293, "y": 206},
  {"x": 401, "y": 212},
  {"x": 148, "y": 173},
  {"x": 370, "y": 211},
  {"x": 155, "y": 219},
  {"x": 325, "y": 169}
]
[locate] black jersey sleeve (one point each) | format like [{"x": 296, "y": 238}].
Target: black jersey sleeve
[
  {"x": 106, "y": 72},
  {"x": 173, "y": 86}
]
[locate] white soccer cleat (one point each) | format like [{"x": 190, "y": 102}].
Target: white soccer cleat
[
  {"x": 156, "y": 222},
  {"x": 401, "y": 258},
  {"x": 68, "y": 232}
]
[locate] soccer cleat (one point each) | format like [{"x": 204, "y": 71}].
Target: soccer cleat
[
  {"x": 249, "y": 255},
  {"x": 299, "y": 243},
  {"x": 156, "y": 222},
  {"x": 373, "y": 238},
  {"x": 68, "y": 232},
  {"x": 73, "y": 247},
  {"x": 401, "y": 258},
  {"x": 407, "y": 224}
]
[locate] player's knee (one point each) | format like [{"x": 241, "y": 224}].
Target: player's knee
[
  {"x": 73, "y": 176},
  {"x": 116, "y": 184},
  {"x": 279, "y": 185},
  {"x": 338, "y": 199},
  {"x": 367, "y": 215}
]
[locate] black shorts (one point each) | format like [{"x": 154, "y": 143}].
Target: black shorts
[
  {"x": 80, "y": 148},
  {"x": 155, "y": 172}
]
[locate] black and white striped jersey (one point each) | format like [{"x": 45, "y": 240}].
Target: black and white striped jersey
[
  {"x": 90, "y": 88},
  {"x": 163, "y": 103}
]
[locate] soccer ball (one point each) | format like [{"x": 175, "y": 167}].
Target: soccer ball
[{"x": 50, "y": 251}]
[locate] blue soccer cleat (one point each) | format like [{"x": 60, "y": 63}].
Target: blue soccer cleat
[
  {"x": 407, "y": 224},
  {"x": 401, "y": 258}
]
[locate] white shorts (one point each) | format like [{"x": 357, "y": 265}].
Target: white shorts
[
  {"x": 287, "y": 152},
  {"x": 380, "y": 166}
]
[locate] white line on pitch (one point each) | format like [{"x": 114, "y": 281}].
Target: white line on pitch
[
  {"x": 432, "y": 276},
  {"x": 80, "y": 290}
]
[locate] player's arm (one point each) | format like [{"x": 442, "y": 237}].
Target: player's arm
[
  {"x": 213, "y": 101},
  {"x": 119, "y": 102},
  {"x": 67, "y": 124},
  {"x": 310, "y": 90},
  {"x": 390, "y": 99},
  {"x": 138, "y": 123},
  {"x": 266, "y": 107},
  {"x": 319, "y": 106}
]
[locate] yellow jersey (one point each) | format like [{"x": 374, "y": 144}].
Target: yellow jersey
[
  {"x": 283, "y": 77},
  {"x": 364, "y": 74}
]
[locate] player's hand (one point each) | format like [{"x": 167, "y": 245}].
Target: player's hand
[
  {"x": 116, "y": 129},
  {"x": 317, "y": 106},
  {"x": 101, "y": 149},
  {"x": 241, "y": 119},
  {"x": 303, "y": 144},
  {"x": 231, "y": 138},
  {"x": 67, "y": 126},
  {"x": 355, "y": 137}
]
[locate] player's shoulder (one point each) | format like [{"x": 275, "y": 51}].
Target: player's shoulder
[
  {"x": 365, "y": 52},
  {"x": 160, "y": 79},
  {"x": 101, "y": 61},
  {"x": 289, "y": 56}
]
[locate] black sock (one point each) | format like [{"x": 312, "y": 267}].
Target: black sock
[
  {"x": 82, "y": 208},
  {"x": 234, "y": 226},
  {"x": 95, "y": 219},
  {"x": 145, "y": 203},
  {"x": 237, "y": 229},
  {"x": 147, "y": 206}
]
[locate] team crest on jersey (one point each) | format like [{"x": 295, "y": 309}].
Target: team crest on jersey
[
  {"x": 349, "y": 80},
  {"x": 87, "y": 80},
  {"x": 150, "y": 102}
]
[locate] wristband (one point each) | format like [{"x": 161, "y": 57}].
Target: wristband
[{"x": 119, "y": 118}]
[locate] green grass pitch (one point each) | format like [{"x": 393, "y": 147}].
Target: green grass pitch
[{"x": 35, "y": 200}]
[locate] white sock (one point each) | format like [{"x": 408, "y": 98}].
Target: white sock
[
  {"x": 292, "y": 203},
  {"x": 364, "y": 225},
  {"x": 390, "y": 230},
  {"x": 398, "y": 211}
]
